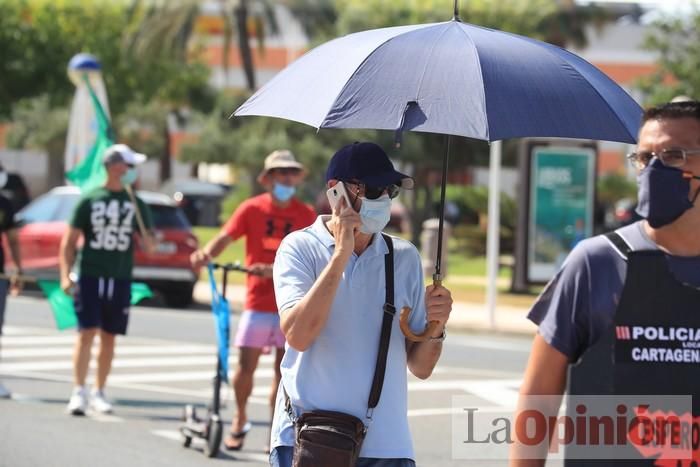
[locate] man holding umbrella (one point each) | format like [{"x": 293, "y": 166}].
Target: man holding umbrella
[
  {"x": 331, "y": 282},
  {"x": 643, "y": 276},
  {"x": 106, "y": 218}
]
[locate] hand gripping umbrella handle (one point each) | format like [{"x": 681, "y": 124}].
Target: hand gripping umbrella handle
[{"x": 406, "y": 329}]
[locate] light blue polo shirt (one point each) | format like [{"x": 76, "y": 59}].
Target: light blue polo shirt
[{"x": 335, "y": 372}]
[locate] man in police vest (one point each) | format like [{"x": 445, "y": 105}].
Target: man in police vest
[{"x": 624, "y": 309}]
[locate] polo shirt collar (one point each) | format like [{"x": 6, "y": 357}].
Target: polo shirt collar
[{"x": 376, "y": 247}]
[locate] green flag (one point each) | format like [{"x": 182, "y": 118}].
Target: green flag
[
  {"x": 62, "y": 304},
  {"x": 139, "y": 291},
  {"x": 90, "y": 172}
]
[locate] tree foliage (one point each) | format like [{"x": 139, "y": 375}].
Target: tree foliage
[
  {"x": 38, "y": 38},
  {"x": 39, "y": 125},
  {"x": 560, "y": 23},
  {"x": 676, "y": 40},
  {"x": 166, "y": 28}
]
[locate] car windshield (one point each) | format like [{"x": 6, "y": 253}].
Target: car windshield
[
  {"x": 169, "y": 217},
  {"x": 58, "y": 207},
  {"x": 50, "y": 207}
]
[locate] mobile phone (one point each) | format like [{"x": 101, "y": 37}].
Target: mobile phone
[{"x": 335, "y": 193}]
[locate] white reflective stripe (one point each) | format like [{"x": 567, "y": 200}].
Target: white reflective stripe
[
  {"x": 148, "y": 362},
  {"x": 172, "y": 274},
  {"x": 110, "y": 288},
  {"x": 100, "y": 287}
]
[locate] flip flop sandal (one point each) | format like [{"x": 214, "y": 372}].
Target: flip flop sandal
[{"x": 239, "y": 435}]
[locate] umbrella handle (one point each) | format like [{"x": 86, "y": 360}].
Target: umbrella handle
[{"x": 406, "y": 329}]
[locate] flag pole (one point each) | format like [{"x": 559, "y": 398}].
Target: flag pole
[{"x": 139, "y": 219}]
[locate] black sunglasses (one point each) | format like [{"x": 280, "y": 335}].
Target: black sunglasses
[{"x": 373, "y": 192}]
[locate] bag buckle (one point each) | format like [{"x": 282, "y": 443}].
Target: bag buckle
[
  {"x": 389, "y": 308},
  {"x": 288, "y": 408}
]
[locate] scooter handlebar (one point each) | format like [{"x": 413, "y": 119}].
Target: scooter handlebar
[{"x": 237, "y": 266}]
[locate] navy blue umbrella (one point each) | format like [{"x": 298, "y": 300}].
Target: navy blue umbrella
[{"x": 451, "y": 78}]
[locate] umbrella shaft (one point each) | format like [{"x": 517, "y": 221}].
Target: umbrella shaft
[{"x": 443, "y": 187}]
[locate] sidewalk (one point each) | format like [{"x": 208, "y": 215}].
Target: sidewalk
[{"x": 466, "y": 316}]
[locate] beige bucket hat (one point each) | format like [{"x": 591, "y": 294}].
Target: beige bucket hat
[{"x": 280, "y": 159}]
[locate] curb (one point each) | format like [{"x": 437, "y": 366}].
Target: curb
[{"x": 465, "y": 317}]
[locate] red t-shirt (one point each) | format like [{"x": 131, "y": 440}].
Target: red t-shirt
[{"x": 264, "y": 225}]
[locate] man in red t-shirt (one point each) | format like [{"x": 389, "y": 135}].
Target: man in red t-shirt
[{"x": 264, "y": 220}]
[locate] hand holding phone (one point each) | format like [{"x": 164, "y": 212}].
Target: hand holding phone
[{"x": 335, "y": 193}]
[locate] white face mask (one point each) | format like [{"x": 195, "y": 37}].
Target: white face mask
[
  {"x": 375, "y": 214},
  {"x": 3, "y": 179}
]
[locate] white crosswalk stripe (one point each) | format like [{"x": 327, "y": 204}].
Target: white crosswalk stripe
[{"x": 187, "y": 369}]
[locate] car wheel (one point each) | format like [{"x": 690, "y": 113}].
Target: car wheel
[{"x": 178, "y": 296}]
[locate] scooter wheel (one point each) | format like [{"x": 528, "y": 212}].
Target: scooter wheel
[
  {"x": 214, "y": 431},
  {"x": 186, "y": 441}
]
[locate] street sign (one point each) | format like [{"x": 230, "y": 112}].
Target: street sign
[{"x": 560, "y": 204}]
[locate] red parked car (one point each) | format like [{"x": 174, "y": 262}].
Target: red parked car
[{"x": 44, "y": 221}]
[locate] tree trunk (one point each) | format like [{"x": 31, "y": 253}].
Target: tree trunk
[
  {"x": 56, "y": 170},
  {"x": 241, "y": 13},
  {"x": 255, "y": 187},
  {"x": 165, "y": 163}
]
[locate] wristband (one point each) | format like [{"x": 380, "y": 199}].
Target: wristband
[{"x": 439, "y": 338}]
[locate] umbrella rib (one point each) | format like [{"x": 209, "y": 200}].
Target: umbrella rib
[
  {"x": 425, "y": 66},
  {"x": 605, "y": 101},
  {"x": 369, "y": 55},
  {"x": 481, "y": 80},
  {"x": 573, "y": 68}
]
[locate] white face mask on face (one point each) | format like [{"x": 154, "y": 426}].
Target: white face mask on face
[{"x": 375, "y": 214}]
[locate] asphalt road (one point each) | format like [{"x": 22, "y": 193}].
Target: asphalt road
[{"x": 168, "y": 361}]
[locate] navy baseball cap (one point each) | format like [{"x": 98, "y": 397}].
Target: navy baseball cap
[{"x": 367, "y": 163}]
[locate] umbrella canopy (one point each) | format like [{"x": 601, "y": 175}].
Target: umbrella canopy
[{"x": 451, "y": 78}]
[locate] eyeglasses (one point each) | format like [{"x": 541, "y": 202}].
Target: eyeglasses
[
  {"x": 668, "y": 157},
  {"x": 372, "y": 192}
]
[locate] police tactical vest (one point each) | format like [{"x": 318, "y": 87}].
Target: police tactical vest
[{"x": 652, "y": 348}]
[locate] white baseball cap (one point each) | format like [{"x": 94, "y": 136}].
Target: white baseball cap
[{"x": 122, "y": 153}]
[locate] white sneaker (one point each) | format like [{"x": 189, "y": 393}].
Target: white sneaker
[
  {"x": 4, "y": 392},
  {"x": 99, "y": 403},
  {"x": 77, "y": 405}
]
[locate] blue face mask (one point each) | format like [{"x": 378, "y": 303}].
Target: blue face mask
[
  {"x": 130, "y": 176},
  {"x": 663, "y": 193},
  {"x": 375, "y": 214},
  {"x": 283, "y": 193}
]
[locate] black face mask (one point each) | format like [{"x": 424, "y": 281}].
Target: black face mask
[{"x": 663, "y": 193}]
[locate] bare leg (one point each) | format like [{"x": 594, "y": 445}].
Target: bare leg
[
  {"x": 81, "y": 355},
  {"x": 242, "y": 386},
  {"x": 104, "y": 358}
]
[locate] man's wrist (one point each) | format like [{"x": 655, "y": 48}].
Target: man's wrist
[{"x": 440, "y": 336}]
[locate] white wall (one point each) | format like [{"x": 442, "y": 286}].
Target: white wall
[
  {"x": 31, "y": 165},
  {"x": 508, "y": 181}
]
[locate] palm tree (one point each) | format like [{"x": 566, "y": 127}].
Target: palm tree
[{"x": 168, "y": 27}]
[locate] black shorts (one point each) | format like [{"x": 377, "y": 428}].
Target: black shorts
[{"x": 103, "y": 303}]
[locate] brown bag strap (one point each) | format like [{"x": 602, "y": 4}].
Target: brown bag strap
[{"x": 385, "y": 336}]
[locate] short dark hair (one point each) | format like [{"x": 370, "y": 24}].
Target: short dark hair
[{"x": 672, "y": 110}]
